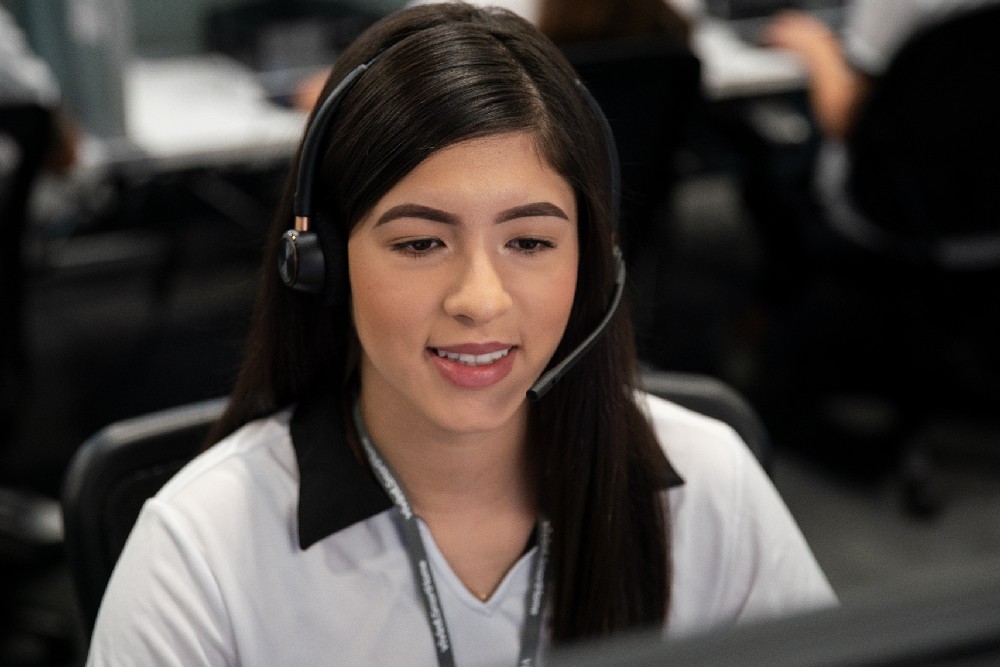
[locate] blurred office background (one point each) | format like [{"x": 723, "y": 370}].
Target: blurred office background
[{"x": 139, "y": 273}]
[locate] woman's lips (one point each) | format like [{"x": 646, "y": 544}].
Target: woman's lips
[
  {"x": 474, "y": 366},
  {"x": 471, "y": 359}
]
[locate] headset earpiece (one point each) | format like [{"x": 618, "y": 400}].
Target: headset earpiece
[{"x": 300, "y": 261}]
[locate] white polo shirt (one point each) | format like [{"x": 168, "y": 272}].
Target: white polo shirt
[{"x": 240, "y": 560}]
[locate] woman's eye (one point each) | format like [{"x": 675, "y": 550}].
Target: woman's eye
[
  {"x": 416, "y": 246},
  {"x": 529, "y": 245}
]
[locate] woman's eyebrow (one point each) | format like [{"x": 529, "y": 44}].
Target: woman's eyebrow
[
  {"x": 542, "y": 209},
  {"x": 533, "y": 210},
  {"x": 417, "y": 211}
]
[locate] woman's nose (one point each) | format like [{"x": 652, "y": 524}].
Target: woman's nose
[{"x": 478, "y": 294}]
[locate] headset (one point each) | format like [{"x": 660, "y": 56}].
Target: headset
[
  {"x": 303, "y": 266},
  {"x": 301, "y": 263}
]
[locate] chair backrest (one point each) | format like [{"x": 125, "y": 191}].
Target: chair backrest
[
  {"x": 714, "y": 398},
  {"x": 925, "y": 150},
  {"x": 649, "y": 89},
  {"x": 111, "y": 476}
]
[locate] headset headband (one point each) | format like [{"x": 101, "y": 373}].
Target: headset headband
[
  {"x": 301, "y": 263},
  {"x": 302, "y": 205}
]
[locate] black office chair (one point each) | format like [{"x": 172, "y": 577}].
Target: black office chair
[
  {"x": 717, "y": 399},
  {"x": 111, "y": 476},
  {"x": 123, "y": 464},
  {"x": 923, "y": 213},
  {"x": 31, "y": 536},
  {"x": 649, "y": 89}
]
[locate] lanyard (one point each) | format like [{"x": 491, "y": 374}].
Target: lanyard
[{"x": 534, "y": 602}]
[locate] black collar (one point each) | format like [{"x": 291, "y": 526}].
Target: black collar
[{"x": 336, "y": 490}]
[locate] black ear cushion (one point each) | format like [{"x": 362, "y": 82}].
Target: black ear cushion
[
  {"x": 300, "y": 261},
  {"x": 334, "y": 246}
]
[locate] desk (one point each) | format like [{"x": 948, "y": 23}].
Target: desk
[
  {"x": 203, "y": 142},
  {"x": 733, "y": 67},
  {"x": 193, "y": 112}
]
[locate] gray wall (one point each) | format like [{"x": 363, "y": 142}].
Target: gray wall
[{"x": 86, "y": 43}]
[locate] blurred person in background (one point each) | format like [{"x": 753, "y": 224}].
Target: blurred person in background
[
  {"x": 36, "y": 135},
  {"x": 842, "y": 68}
]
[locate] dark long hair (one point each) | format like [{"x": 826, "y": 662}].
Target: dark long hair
[{"x": 448, "y": 73}]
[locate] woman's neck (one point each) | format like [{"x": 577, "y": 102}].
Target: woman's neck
[{"x": 447, "y": 473}]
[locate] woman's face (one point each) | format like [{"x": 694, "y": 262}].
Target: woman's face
[{"x": 462, "y": 280}]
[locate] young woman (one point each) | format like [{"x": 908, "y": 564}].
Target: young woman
[{"x": 383, "y": 491}]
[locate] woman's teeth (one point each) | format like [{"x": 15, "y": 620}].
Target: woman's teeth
[{"x": 473, "y": 359}]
